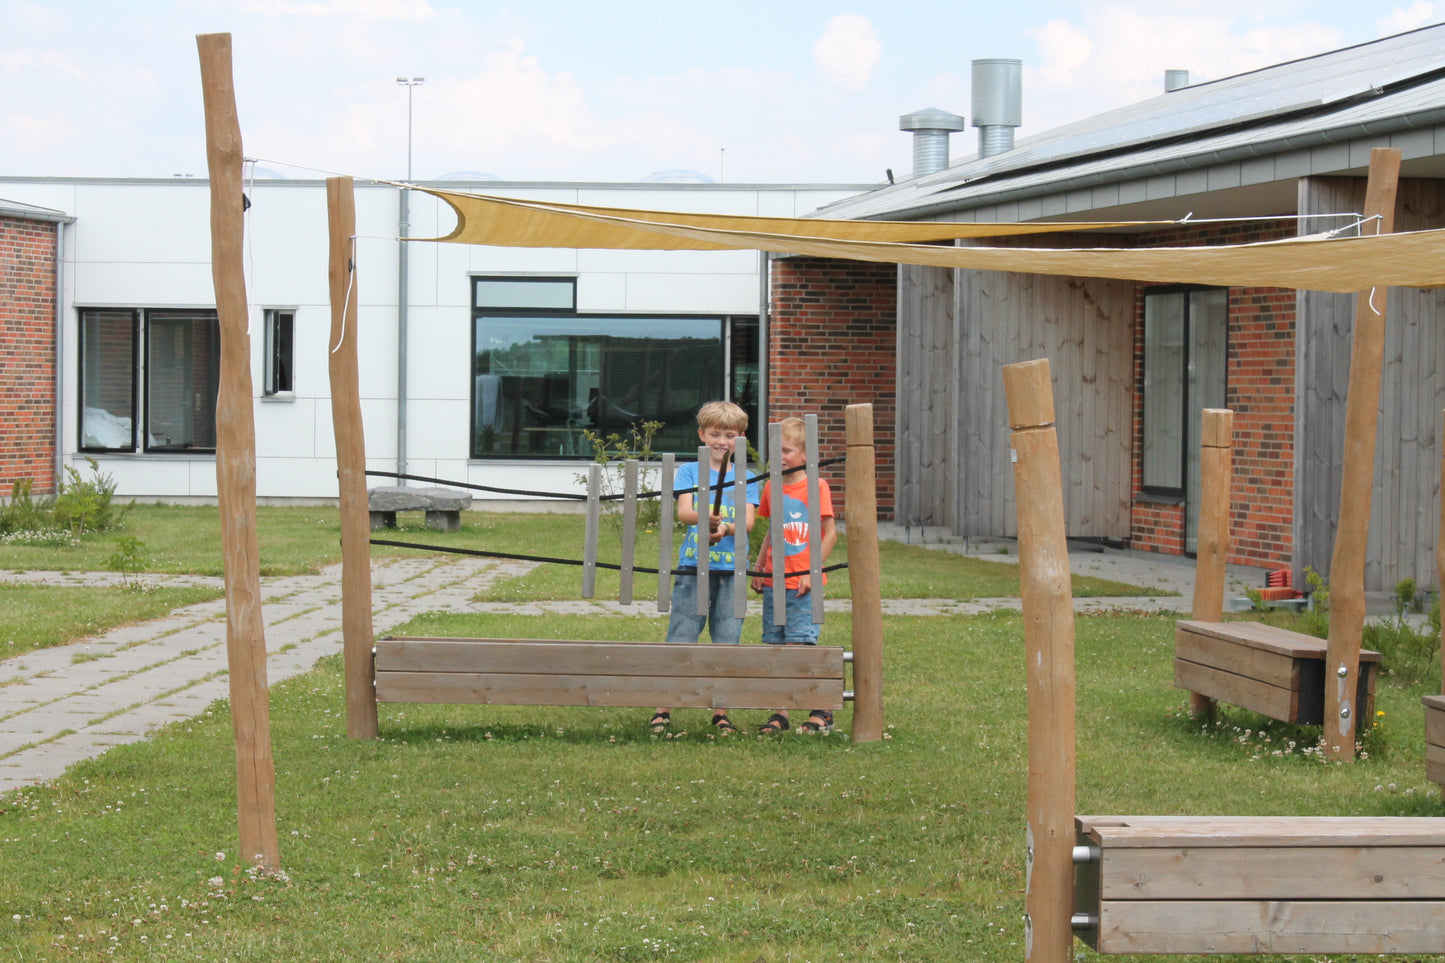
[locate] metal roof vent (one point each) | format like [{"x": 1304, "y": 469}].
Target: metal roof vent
[
  {"x": 998, "y": 97},
  {"x": 930, "y": 129},
  {"x": 1174, "y": 79}
]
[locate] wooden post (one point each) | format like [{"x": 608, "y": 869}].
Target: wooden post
[
  {"x": 775, "y": 527},
  {"x": 1362, "y": 413},
  {"x": 1440, "y": 545},
  {"x": 860, "y": 509},
  {"x": 815, "y": 517},
  {"x": 664, "y": 533},
  {"x": 236, "y": 466},
  {"x": 1216, "y": 469},
  {"x": 356, "y": 631},
  {"x": 589, "y": 537},
  {"x": 1048, "y": 610},
  {"x": 741, "y": 546},
  {"x": 630, "y": 470}
]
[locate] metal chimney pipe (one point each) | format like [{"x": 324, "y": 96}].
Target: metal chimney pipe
[
  {"x": 930, "y": 128},
  {"x": 1174, "y": 79},
  {"x": 998, "y": 95}
]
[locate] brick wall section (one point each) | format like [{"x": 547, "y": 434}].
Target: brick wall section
[
  {"x": 832, "y": 342},
  {"x": 27, "y": 353},
  {"x": 1260, "y": 389}
]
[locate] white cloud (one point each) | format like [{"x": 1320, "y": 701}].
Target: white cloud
[
  {"x": 1114, "y": 55},
  {"x": 1401, "y": 19},
  {"x": 847, "y": 51}
]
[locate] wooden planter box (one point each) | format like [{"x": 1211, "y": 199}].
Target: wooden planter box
[
  {"x": 1252, "y": 884},
  {"x": 1272, "y": 671},
  {"x": 1435, "y": 738}
]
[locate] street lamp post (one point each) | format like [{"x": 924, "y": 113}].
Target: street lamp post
[
  {"x": 409, "y": 83},
  {"x": 403, "y": 228}
]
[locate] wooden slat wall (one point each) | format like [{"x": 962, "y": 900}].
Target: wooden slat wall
[
  {"x": 927, "y": 396},
  {"x": 1084, "y": 326},
  {"x": 1404, "y": 510}
]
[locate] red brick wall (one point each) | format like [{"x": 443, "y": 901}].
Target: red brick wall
[
  {"x": 1260, "y": 386},
  {"x": 27, "y": 354},
  {"x": 832, "y": 342}
]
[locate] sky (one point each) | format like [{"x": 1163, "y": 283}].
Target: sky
[{"x": 783, "y": 91}]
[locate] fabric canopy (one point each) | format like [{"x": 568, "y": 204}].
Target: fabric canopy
[{"x": 1320, "y": 263}]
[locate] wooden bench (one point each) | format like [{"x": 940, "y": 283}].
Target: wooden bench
[
  {"x": 574, "y": 673},
  {"x": 1435, "y": 738},
  {"x": 1269, "y": 670},
  {"x": 443, "y": 506},
  {"x": 1260, "y": 884}
]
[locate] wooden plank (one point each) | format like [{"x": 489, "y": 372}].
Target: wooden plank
[
  {"x": 548, "y": 689},
  {"x": 1435, "y": 764},
  {"x": 1235, "y": 831},
  {"x": 1434, "y": 719},
  {"x": 1265, "y": 926},
  {"x": 1239, "y": 658},
  {"x": 607, "y": 658},
  {"x": 630, "y": 471},
  {"x": 1364, "y": 872},
  {"x": 1271, "y": 638},
  {"x": 1277, "y": 702}
]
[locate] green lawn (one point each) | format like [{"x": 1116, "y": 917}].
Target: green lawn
[
  {"x": 515, "y": 833},
  {"x": 38, "y": 617}
]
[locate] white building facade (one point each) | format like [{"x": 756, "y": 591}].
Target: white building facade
[{"x": 508, "y": 355}]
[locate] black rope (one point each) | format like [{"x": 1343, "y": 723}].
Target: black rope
[
  {"x": 573, "y": 496},
  {"x": 556, "y": 561}
]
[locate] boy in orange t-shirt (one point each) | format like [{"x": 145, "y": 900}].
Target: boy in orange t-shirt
[{"x": 799, "y": 629}]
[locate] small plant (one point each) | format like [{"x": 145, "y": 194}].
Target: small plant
[
  {"x": 127, "y": 559},
  {"x": 1256, "y": 600},
  {"x": 84, "y": 504},
  {"x": 1316, "y": 618},
  {"x": 25, "y": 513},
  {"x": 612, "y": 452}
]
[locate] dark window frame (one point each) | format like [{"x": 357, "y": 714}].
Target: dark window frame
[
  {"x": 278, "y": 372},
  {"x": 1173, "y": 493}
]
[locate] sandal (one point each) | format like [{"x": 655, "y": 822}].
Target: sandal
[
  {"x": 777, "y": 722},
  {"x": 818, "y": 722},
  {"x": 659, "y": 722},
  {"x": 723, "y": 724}
]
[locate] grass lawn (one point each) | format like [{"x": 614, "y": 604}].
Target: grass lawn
[
  {"x": 514, "y": 833},
  {"x": 38, "y": 617}
]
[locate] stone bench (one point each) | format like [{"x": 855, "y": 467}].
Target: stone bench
[{"x": 443, "y": 506}]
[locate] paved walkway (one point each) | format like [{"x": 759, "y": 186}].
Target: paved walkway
[{"x": 64, "y": 704}]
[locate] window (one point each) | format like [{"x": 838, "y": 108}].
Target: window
[
  {"x": 277, "y": 375},
  {"x": 153, "y": 369},
  {"x": 543, "y": 373},
  {"x": 1185, "y": 356}
]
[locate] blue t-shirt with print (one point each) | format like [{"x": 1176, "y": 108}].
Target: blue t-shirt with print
[{"x": 721, "y": 557}]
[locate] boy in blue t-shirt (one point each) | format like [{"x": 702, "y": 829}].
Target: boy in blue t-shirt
[{"x": 719, "y": 424}]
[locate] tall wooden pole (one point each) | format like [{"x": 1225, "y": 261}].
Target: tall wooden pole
[
  {"x": 1216, "y": 466},
  {"x": 860, "y": 510},
  {"x": 1440, "y": 546},
  {"x": 356, "y": 631},
  {"x": 236, "y": 466},
  {"x": 1362, "y": 414},
  {"x": 1048, "y": 609}
]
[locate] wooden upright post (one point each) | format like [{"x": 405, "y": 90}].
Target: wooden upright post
[
  {"x": 1362, "y": 414},
  {"x": 1048, "y": 609},
  {"x": 860, "y": 510},
  {"x": 1216, "y": 468},
  {"x": 1440, "y": 546},
  {"x": 356, "y": 629},
  {"x": 236, "y": 466}
]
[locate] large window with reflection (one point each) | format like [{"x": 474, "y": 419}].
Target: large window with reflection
[
  {"x": 544, "y": 375},
  {"x": 148, "y": 379}
]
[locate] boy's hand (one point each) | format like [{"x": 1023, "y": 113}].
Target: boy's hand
[
  {"x": 717, "y": 529},
  {"x": 805, "y": 583},
  {"x": 757, "y": 583}
]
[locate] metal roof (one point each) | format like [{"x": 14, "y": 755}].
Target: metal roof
[
  {"x": 31, "y": 212},
  {"x": 1372, "y": 89}
]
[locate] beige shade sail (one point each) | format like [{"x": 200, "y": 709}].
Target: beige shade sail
[{"x": 1320, "y": 263}]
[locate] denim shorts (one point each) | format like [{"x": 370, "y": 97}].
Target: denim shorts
[
  {"x": 800, "y": 629},
  {"x": 685, "y": 625}
]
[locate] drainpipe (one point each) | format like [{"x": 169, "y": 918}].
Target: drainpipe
[
  {"x": 403, "y": 228},
  {"x": 765, "y": 317},
  {"x": 59, "y": 468}
]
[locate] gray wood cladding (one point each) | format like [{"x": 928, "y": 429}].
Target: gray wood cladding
[
  {"x": 1405, "y": 498},
  {"x": 957, "y": 329}
]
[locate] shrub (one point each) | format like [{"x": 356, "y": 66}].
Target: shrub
[
  {"x": 24, "y": 513},
  {"x": 85, "y": 504},
  {"x": 612, "y": 452}
]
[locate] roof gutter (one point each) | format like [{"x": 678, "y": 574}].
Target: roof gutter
[{"x": 1427, "y": 118}]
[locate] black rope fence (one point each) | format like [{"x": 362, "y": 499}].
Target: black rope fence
[
  {"x": 513, "y": 556},
  {"x": 570, "y": 496}
]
